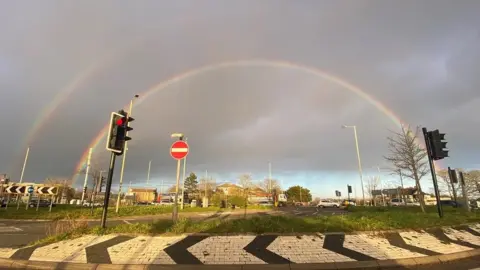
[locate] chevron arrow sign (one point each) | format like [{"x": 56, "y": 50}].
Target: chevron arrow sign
[
  {"x": 47, "y": 190},
  {"x": 15, "y": 189}
]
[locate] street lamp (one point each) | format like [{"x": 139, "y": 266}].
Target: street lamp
[
  {"x": 124, "y": 157},
  {"x": 358, "y": 157},
  {"x": 180, "y": 136}
]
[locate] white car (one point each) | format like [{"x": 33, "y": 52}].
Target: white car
[
  {"x": 328, "y": 203},
  {"x": 399, "y": 202}
]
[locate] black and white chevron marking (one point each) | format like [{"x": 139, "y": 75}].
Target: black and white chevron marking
[
  {"x": 258, "y": 247},
  {"x": 334, "y": 242},
  {"x": 179, "y": 253}
]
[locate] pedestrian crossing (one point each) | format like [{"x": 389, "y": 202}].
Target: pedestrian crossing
[{"x": 8, "y": 229}]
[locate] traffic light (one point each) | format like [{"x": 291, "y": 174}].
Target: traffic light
[
  {"x": 453, "y": 176},
  {"x": 349, "y": 188},
  {"x": 117, "y": 134},
  {"x": 438, "y": 145},
  {"x": 101, "y": 184}
]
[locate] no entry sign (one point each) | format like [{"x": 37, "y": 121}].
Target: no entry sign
[{"x": 179, "y": 150}]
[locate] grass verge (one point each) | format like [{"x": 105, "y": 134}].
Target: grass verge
[
  {"x": 359, "y": 219},
  {"x": 77, "y": 212}
]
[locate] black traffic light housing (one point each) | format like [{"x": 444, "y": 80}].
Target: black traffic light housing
[
  {"x": 349, "y": 188},
  {"x": 452, "y": 174},
  {"x": 117, "y": 134},
  {"x": 101, "y": 184},
  {"x": 438, "y": 145}
]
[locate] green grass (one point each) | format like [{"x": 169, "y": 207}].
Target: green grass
[
  {"x": 76, "y": 212},
  {"x": 360, "y": 219}
]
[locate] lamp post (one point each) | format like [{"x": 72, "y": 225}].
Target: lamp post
[
  {"x": 123, "y": 159},
  {"x": 358, "y": 157},
  {"x": 183, "y": 180}
]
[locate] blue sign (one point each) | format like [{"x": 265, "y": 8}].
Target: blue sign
[{"x": 30, "y": 189}]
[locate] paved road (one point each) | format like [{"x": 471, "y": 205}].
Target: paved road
[
  {"x": 310, "y": 211},
  {"x": 14, "y": 233}
]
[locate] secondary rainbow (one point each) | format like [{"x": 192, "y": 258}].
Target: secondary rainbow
[
  {"x": 245, "y": 63},
  {"x": 80, "y": 79}
]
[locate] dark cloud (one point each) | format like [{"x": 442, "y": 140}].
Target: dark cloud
[{"x": 417, "y": 58}]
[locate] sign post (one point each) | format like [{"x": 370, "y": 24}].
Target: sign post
[
  {"x": 178, "y": 151},
  {"x": 29, "y": 191}
]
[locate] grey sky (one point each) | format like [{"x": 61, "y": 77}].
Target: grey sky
[{"x": 418, "y": 58}]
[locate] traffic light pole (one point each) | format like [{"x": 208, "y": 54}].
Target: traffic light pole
[
  {"x": 108, "y": 186},
  {"x": 464, "y": 192},
  {"x": 432, "y": 170}
]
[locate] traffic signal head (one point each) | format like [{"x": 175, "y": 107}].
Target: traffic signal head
[
  {"x": 349, "y": 188},
  {"x": 438, "y": 144},
  {"x": 453, "y": 176},
  {"x": 117, "y": 134}
]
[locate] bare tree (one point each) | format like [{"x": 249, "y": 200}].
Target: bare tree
[
  {"x": 206, "y": 186},
  {"x": 246, "y": 183},
  {"x": 172, "y": 189},
  {"x": 372, "y": 184},
  {"x": 472, "y": 182},
  {"x": 272, "y": 184},
  {"x": 407, "y": 156},
  {"x": 64, "y": 187},
  {"x": 446, "y": 185}
]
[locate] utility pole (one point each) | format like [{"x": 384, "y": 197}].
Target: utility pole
[
  {"x": 124, "y": 158},
  {"x": 148, "y": 173},
  {"x": 87, "y": 170},
  {"x": 270, "y": 177},
  {"x": 21, "y": 176}
]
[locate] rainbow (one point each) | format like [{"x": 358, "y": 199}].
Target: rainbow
[
  {"x": 245, "y": 63},
  {"x": 80, "y": 79}
]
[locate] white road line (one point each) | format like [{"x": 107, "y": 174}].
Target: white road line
[
  {"x": 126, "y": 221},
  {"x": 9, "y": 229}
]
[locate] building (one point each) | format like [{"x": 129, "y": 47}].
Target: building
[
  {"x": 230, "y": 189},
  {"x": 143, "y": 194}
]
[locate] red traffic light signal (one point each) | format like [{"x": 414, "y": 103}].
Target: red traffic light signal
[{"x": 120, "y": 121}]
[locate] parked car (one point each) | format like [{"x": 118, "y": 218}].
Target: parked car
[
  {"x": 451, "y": 203},
  {"x": 43, "y": 203},
  {"x": 265, "y": 203},
  {"x": 327, "y": 203},
  {"x": 396, "y": 202},
  {"x": 349, "y": 202}
]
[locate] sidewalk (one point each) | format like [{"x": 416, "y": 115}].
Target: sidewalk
[{"x": 255, "y": 249}]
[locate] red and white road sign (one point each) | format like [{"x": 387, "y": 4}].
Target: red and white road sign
[{"x": 179, "y": 150}]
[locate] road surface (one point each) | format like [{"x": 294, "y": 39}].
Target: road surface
[
  {"x": 309, "y": 211},
  {"x": 18, "y": 233}
]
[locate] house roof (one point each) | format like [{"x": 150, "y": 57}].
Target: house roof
[
  {"x": 142, "y": 189},
  {"x": 229, "y": 185}
]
